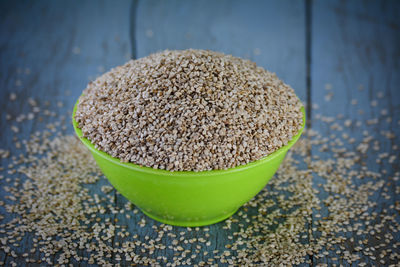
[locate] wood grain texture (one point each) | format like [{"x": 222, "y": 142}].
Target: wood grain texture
[
  {"x": 233, "y": 27},
  {"x": 355, "y": 51},
  {"x": 49, "y": 51}
]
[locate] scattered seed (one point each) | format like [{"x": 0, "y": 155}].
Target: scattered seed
[
  {"x": 76, "y": 50},
  {"x": 13, "y": 96},
  {"x": 149, "y": 33}
]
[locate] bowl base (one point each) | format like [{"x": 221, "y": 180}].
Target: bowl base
[{"x": 188, "y": 223}]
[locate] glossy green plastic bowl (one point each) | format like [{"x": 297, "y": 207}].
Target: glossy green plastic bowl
[{"x": 187, "y": 198}]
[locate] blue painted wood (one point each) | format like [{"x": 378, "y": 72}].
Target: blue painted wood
[
  {"x": 49, "y": 51},
  {"x": 252, "y": 31},
  {"x": 63, "y": 45},
  {"x": 355, "y": 55}
]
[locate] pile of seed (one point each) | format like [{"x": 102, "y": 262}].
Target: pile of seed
[
  {"x": 319, "y": 209},
  {"x": 189, "y": 110}
]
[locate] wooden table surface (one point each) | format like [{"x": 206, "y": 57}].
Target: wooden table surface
[{"x": 341, "y": 55}]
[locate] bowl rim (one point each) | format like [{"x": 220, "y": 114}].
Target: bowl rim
[{"x": 146, "y": 169}]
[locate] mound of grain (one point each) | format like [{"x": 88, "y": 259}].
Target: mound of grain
[{"x": 189, "y": 110}]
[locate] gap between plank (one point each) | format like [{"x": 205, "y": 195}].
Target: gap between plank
[
  {"x": 308, "y": 32},
  {"x": 308, "y": 9},
  {"x": 132, "y": 30}
]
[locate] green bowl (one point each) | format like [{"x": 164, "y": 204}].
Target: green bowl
[{"x": 188, "y": 198}]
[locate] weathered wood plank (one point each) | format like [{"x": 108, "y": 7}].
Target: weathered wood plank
[
  {"x": 271, "y": 33},
  {"x": 50, "y": 48},
  {"x": 45, "y": 60},
  {"x": 355, "y": 76},
  {"x": 49, "y": 51}
]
